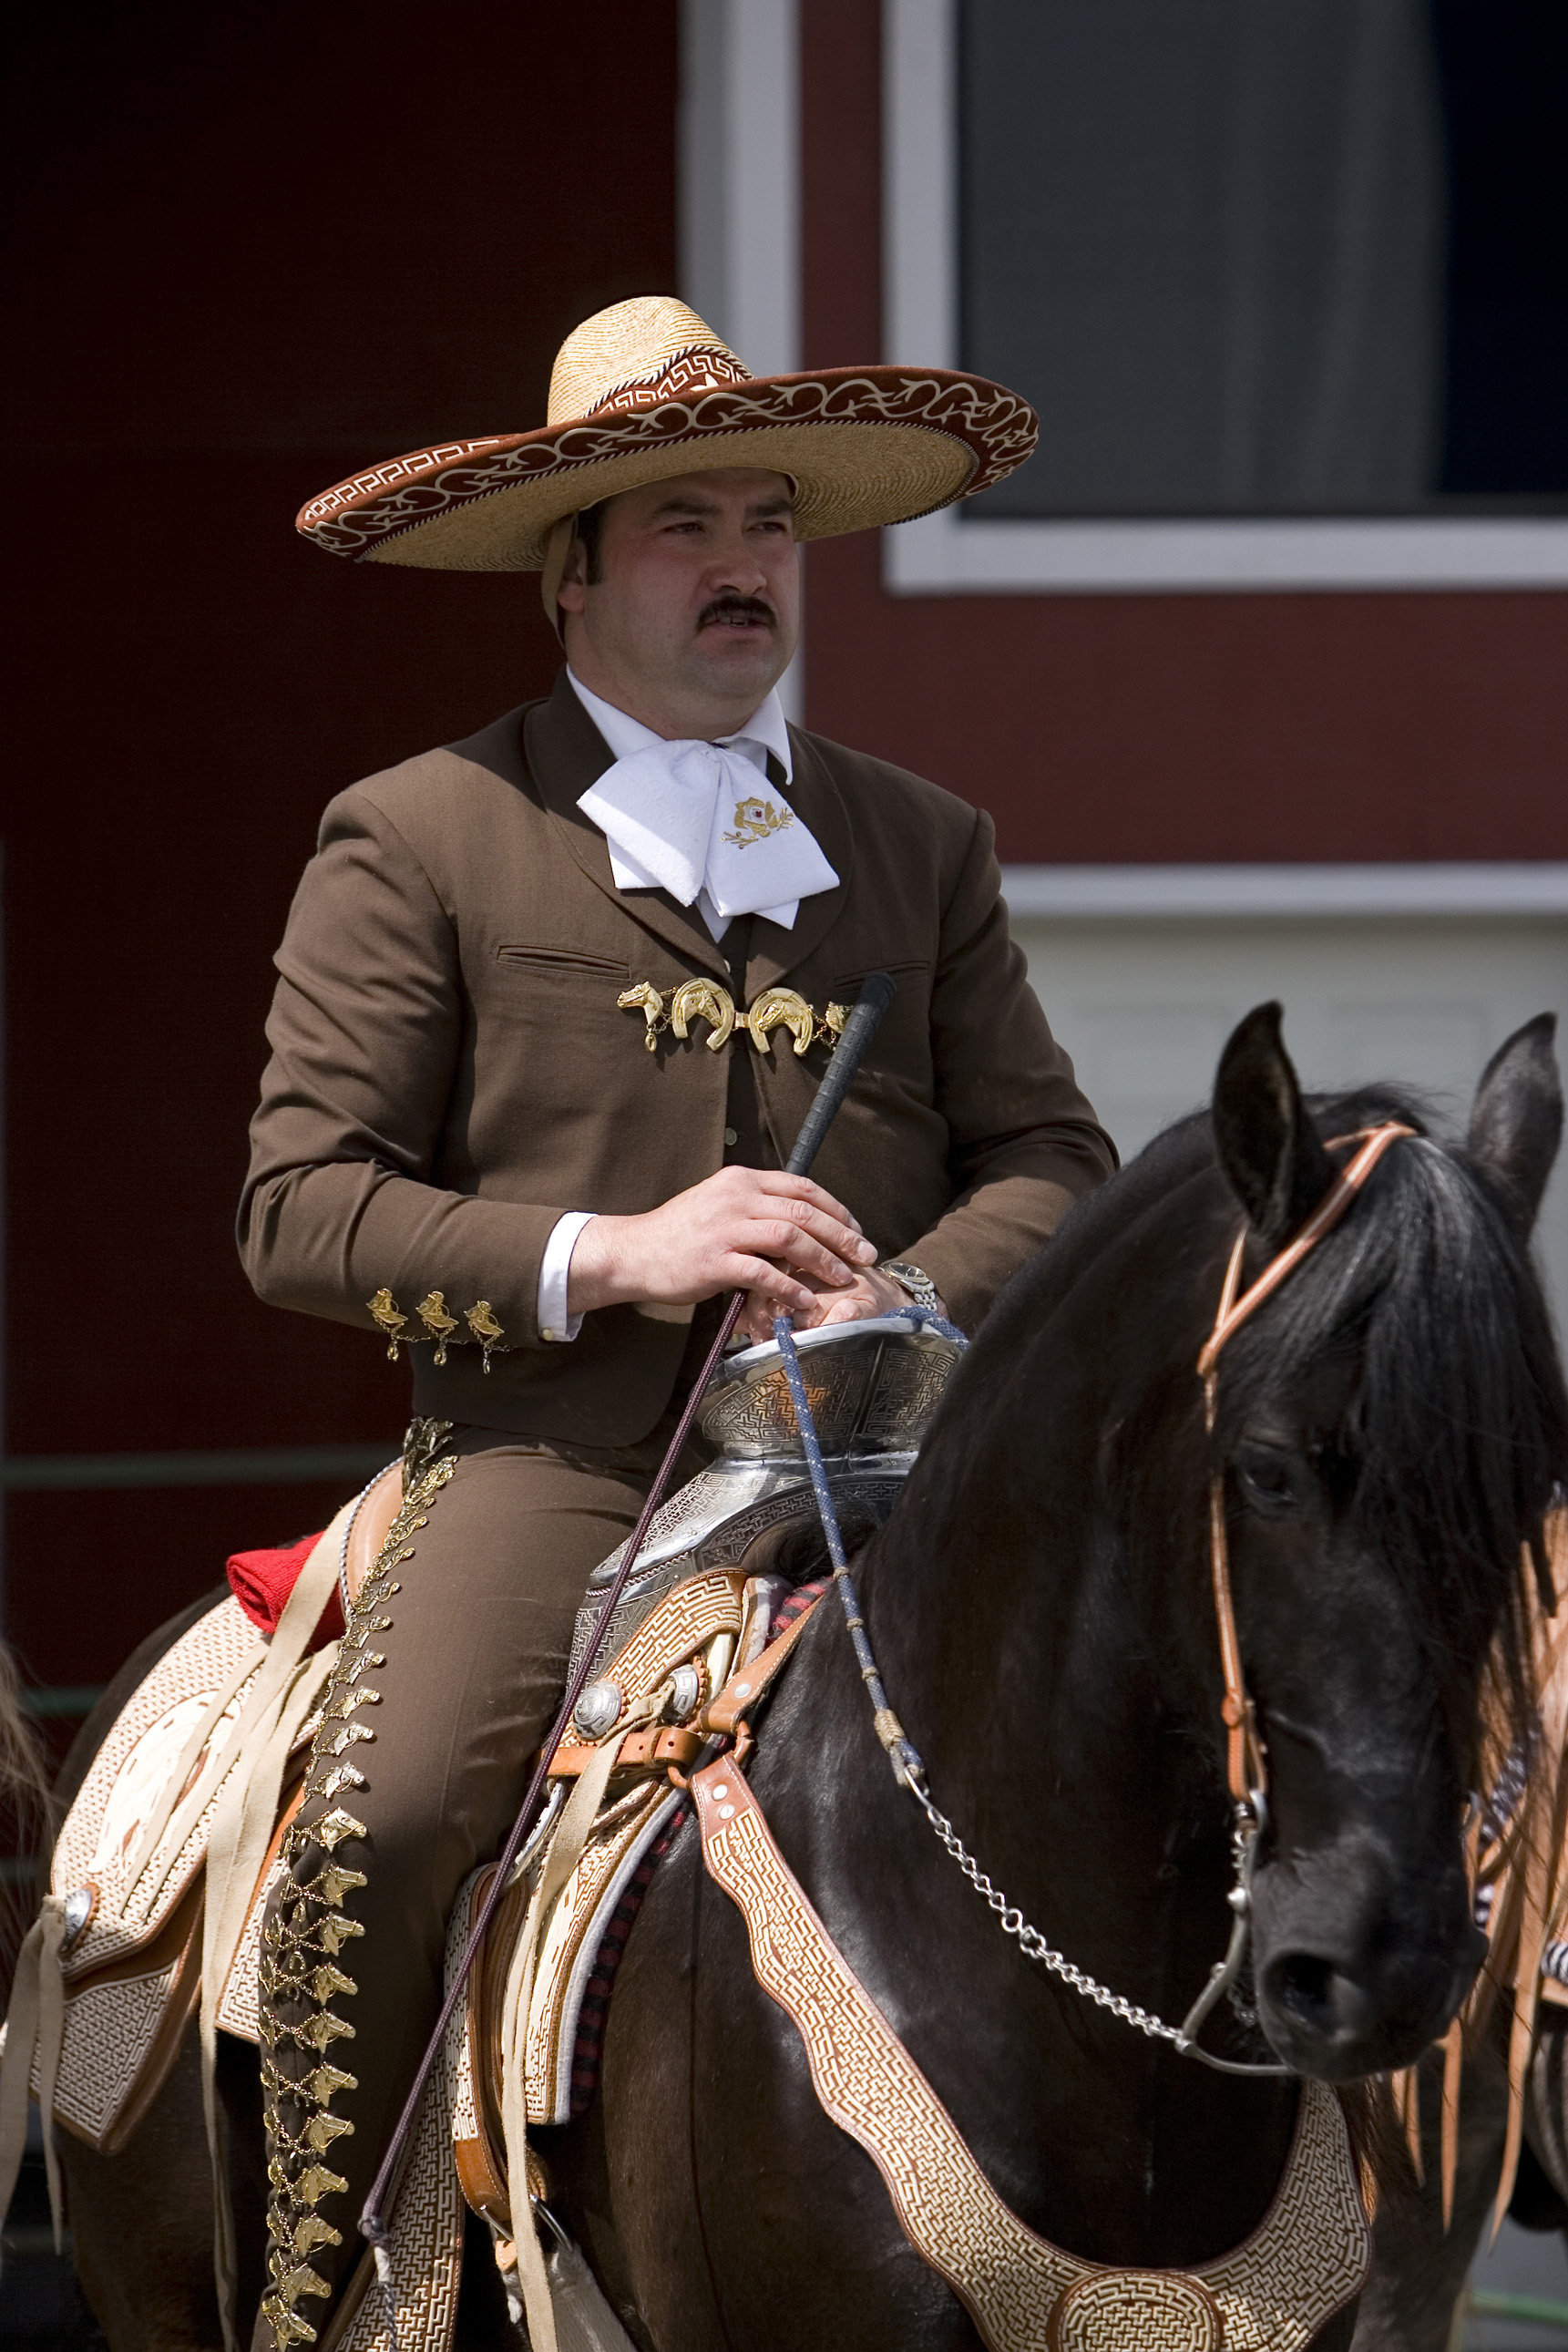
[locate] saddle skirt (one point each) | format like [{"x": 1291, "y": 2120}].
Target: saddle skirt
[
  {"x": 128, "y": 1873},
  {"x": 700, "y": 1639},
  {"x": 130, "y": 1957}
]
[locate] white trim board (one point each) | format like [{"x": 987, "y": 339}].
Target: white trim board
[
  {"x": 1319, "y": 893},
  {"x": 739, "y": 192},
  {"x": 942, "y": 554},
  {"x": 739, "y": 203}
]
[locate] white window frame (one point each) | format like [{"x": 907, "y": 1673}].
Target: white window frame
[
  {"x": 942, "y": 555},
  {"x": 1502, "y": 889},
  {"x": 739, "y": 192}
]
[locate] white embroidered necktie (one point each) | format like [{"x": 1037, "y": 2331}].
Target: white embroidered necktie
[{"x": 701, "y": 821}]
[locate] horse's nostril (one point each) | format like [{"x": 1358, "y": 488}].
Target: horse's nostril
[
  {"x": 1336, "y": 2006},
  {"x": 1305, "y": 1984},
  {"x": 1372, "y": 2001}
]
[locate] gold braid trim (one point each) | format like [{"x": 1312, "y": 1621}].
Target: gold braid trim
[
  {"x": 307, "y": 1932},
  {"x": 421, "y": 1444}
]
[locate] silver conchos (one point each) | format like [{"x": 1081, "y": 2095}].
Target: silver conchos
[
  {"x": 78, "y": 1908},
  {"x": 686, "y": 1690},
  {"x": 597, "y": 1708}
]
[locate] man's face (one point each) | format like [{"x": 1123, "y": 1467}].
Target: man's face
[{"x": 695, "y": 612}]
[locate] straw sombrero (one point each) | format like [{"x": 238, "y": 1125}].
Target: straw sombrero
[{"x": 645, "y": 391}]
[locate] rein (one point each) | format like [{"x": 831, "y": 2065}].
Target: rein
[{"x": 1246, "y": 1772}]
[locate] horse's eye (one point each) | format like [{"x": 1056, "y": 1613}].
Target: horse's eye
[{"x": 1269, "y": 1478}]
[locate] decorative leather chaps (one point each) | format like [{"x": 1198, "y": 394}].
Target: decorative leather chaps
[{"x": 444, "y": 1688}]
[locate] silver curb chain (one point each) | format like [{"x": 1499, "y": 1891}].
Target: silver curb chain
[
  {"x": 909, "y": 1771},
  {"x": 1013, "y": 1923},
  {"x": 1222, "y": 1977}
]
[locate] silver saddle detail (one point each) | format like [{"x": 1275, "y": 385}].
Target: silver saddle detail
[{"x": 873, "y": 1387}]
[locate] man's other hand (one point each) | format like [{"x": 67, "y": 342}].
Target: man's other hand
[
  {"x": 789, "y": 1244},
  {"x": 871, "y": 1294}
]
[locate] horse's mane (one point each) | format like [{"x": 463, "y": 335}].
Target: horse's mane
[
  {"x": 1458, "y": 1432},
  {"x": 1456, "y": 1440},
  {"x": 1457, "y": 1436}
]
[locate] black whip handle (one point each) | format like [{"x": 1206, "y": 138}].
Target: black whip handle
[
  {"x": 875, "y": 996},
  {"x": 864, "y": 1020}
]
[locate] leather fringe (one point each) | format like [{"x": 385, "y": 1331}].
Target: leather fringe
[{"x": 1525, "y": 1867}]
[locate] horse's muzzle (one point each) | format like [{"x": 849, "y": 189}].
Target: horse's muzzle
[{"x": 1338, "y": 2014}]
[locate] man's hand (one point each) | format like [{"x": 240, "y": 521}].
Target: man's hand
[
  {"x": 871, "y": 1294},
  {"x": 790, "y": 1245}
]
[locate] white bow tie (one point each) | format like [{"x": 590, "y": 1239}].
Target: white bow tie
[{"x": 701, "y": 821}]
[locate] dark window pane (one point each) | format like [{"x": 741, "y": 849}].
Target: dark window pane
[
  {"x": 1504, "y": 67},
  {"x": 1211, "y": 241}
]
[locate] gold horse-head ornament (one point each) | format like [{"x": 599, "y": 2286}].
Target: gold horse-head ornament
[{"x": 705, "y": 1000}]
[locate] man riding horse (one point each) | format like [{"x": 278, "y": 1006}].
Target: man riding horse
[{"x": 463, "y": 1142}]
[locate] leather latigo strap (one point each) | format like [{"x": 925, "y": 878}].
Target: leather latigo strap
[
  {"x": 1274, "y": 2294},
  {"x": 639, "y": 1751},
  {"x": 741, "y": 1693},
  {"x": 681, "y": 1745}
]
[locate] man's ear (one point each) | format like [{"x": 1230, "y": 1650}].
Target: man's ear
[
  {"x": 1516, "y": 1124},
  {"x": 558, "y": 549},
  {"x": 1267, "y": 1145},
  {"x": 572, "y": 591}
]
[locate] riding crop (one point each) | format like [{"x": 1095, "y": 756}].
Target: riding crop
[{"x": 875, "y": 996}]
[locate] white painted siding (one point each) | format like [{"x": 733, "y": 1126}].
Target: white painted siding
[{"x": 1145, "y": 1007}]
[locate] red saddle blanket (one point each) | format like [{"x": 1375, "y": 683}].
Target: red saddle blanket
[{"x": 261, "y": 1581}]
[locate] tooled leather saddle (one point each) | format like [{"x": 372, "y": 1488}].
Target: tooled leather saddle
[{"x": 722, "y": 1557}]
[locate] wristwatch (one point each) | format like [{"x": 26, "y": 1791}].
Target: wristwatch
[{"x": 912, "y": 1279}]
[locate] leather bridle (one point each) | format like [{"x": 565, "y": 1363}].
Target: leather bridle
[{"x": 1246, "y": 1758}]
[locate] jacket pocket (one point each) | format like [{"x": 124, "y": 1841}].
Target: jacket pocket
[
  {"x": 565, "y": 961},
  {"x": 847, "y": 985}
]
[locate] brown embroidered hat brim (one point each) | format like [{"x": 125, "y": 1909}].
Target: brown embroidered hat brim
[{"x": 645, "y": 392}]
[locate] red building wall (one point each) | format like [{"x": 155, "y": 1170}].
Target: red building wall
[
  {"x": 257, "y": 246},
  {"x": 1160, "y": 728}
]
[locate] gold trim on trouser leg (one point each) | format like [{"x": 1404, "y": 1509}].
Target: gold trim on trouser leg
[{"x": 308, "y": 1929}]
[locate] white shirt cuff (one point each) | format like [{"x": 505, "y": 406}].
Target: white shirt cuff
[{"x": 555, "y": 1267}]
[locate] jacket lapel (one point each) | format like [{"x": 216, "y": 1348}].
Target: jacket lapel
[
  {"x": 564, "y": 753},
  {"x": 817, "y": 802}
]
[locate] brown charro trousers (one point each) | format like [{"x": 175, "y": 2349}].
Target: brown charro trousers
[{"x": 451, "y": 1072}]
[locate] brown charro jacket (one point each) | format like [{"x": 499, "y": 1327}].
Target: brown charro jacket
[{"x": 451, "y": 1070}]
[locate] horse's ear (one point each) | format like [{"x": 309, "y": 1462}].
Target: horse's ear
[
  {"x": 1516, "y": 1124},
  {"x": 1268, "y": 1146}
]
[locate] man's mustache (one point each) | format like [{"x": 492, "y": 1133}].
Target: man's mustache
[{"x": 739, "y": 608}]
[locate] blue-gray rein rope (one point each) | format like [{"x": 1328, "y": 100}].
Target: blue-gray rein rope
[{"x": 902, "y": 1754}]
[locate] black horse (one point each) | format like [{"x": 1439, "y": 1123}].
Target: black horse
[{"x": 1392, "y": 1429}]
